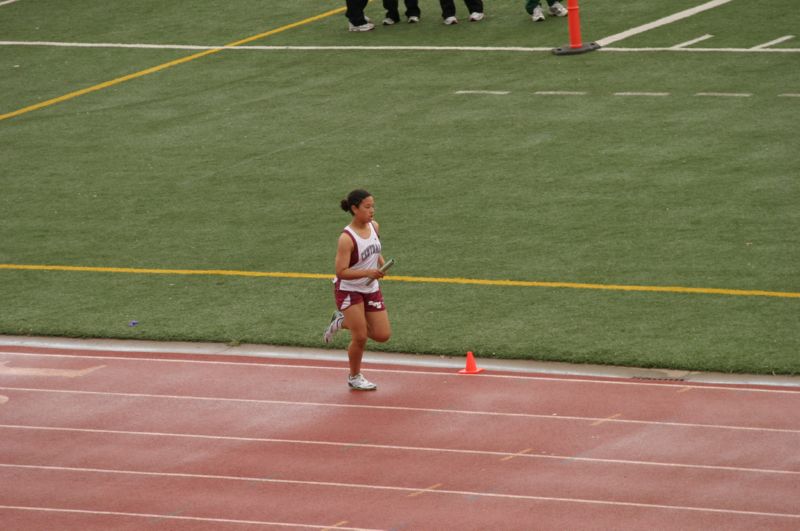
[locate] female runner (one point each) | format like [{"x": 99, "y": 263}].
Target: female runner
[{"x": 359, "y": 303}]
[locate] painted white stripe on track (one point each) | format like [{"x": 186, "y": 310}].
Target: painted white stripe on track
[
  {"x": 539, "y": 416},
  {"x": 403, "y": 448},
  {"x": 174, "y": 517},
  {"x": 560, "y": 379},
  {"x": 662, "y": 22},
  {"x": 362, "y": 486}
]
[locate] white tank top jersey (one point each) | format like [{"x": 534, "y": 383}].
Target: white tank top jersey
[{"x": 364, "y": 256}]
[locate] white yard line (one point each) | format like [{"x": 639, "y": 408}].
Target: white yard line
[
  {"x": 662, "y": 22},
  {"x": 691, "y": 42},
  {"x": 8, "y": 2},
  {"x": 773, "y": 43},
  {"x": 705, "y": 50},
  {"x": 522, "y": 49}
]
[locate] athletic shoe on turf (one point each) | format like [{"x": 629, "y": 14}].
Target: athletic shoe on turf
[
  {"x": 389, "y": 21},
  {"x": 449, "y": 21},
  {"x": 537, "y": 15},
  {"x": 476, "y": 17},
  {"x": 558, "y": 10},
  {"x": 359, "y": 383},
  {"x": 337, "y": 319},
  {"x": 413, "y": 20},
  {"x": 363, "y": 27}
]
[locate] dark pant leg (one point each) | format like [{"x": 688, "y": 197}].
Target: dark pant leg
[
  {"x": 474, "y": 6},
  {"x": 448, "y": 8},
  {"x": 412, "y": 8},
  {"x": 392, "y": 10},
  {"x": 355, "y": 11}
]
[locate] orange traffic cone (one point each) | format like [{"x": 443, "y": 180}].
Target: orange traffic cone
[{"x": 472, "y": 367}]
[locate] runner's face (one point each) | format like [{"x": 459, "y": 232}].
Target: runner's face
[{"x": 365, "y": 211}]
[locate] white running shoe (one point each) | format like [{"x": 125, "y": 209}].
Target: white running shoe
[
  {"x": 537, "y": 15},
  {"x": 558, "y": 10},
  {"x": 413, "y": 20},
  {"x": 359, "y": 383},
  {"x": 337, "y": 319},
  {"x": 476, "y": 17},
  {"x": 389, "y": 22},
  {"x": 363, "y": 27},
  {"x": 449, "y": 21}
]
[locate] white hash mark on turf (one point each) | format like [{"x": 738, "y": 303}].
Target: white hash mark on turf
[
  {"x": 725, "y": 94},
  {"x": 773, "y": 43},
  {"x": 491, "y": 92},
  {"x": 662, "y": 22},
  {"x": 691, "y": 42},
  {"x": 657, "y": 94}
]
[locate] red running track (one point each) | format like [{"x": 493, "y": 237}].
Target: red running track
[{"x": 121, "y": 440}]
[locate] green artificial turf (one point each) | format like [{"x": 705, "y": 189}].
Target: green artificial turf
[{"x": 237, "y": 160}]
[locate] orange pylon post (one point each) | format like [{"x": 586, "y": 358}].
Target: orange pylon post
[{"x": 576, "y": 46}]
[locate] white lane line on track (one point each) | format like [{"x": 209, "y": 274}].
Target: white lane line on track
[
  {"x": 172, "y": 517},
  {"x": 144, "y": 46},
  {"x": 691, "y": 42},
  {"x": 773, "y": 43},
  {"x": 444, "y": 370},
  {"x": 362, "y": 486},
  {"x": 661, "y": 22},
  {"x": 405, "y": 409},
  {"x": 335, "y": 444}
]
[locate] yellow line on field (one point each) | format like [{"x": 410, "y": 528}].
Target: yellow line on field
[
  {"x": 610, "y": 287},
  {"x": 164, "y": 66},
  {"x": 146, "y": 271},
  {"x": 434, "y": 280}
]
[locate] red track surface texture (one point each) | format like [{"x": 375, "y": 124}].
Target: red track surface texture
[{"x": 110, "y": 440}]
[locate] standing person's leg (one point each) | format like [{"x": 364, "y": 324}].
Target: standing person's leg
[
  {"x": 474, "y": 6},
  {"x": 392, "y": 11},
  {"x": 530, "y": 5},
  {"x": 412, "y": 9},
  {"x": 556, "y": 8},
  {"x": 448, "y": 8},
  {"x": 355, "y": 12}
]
